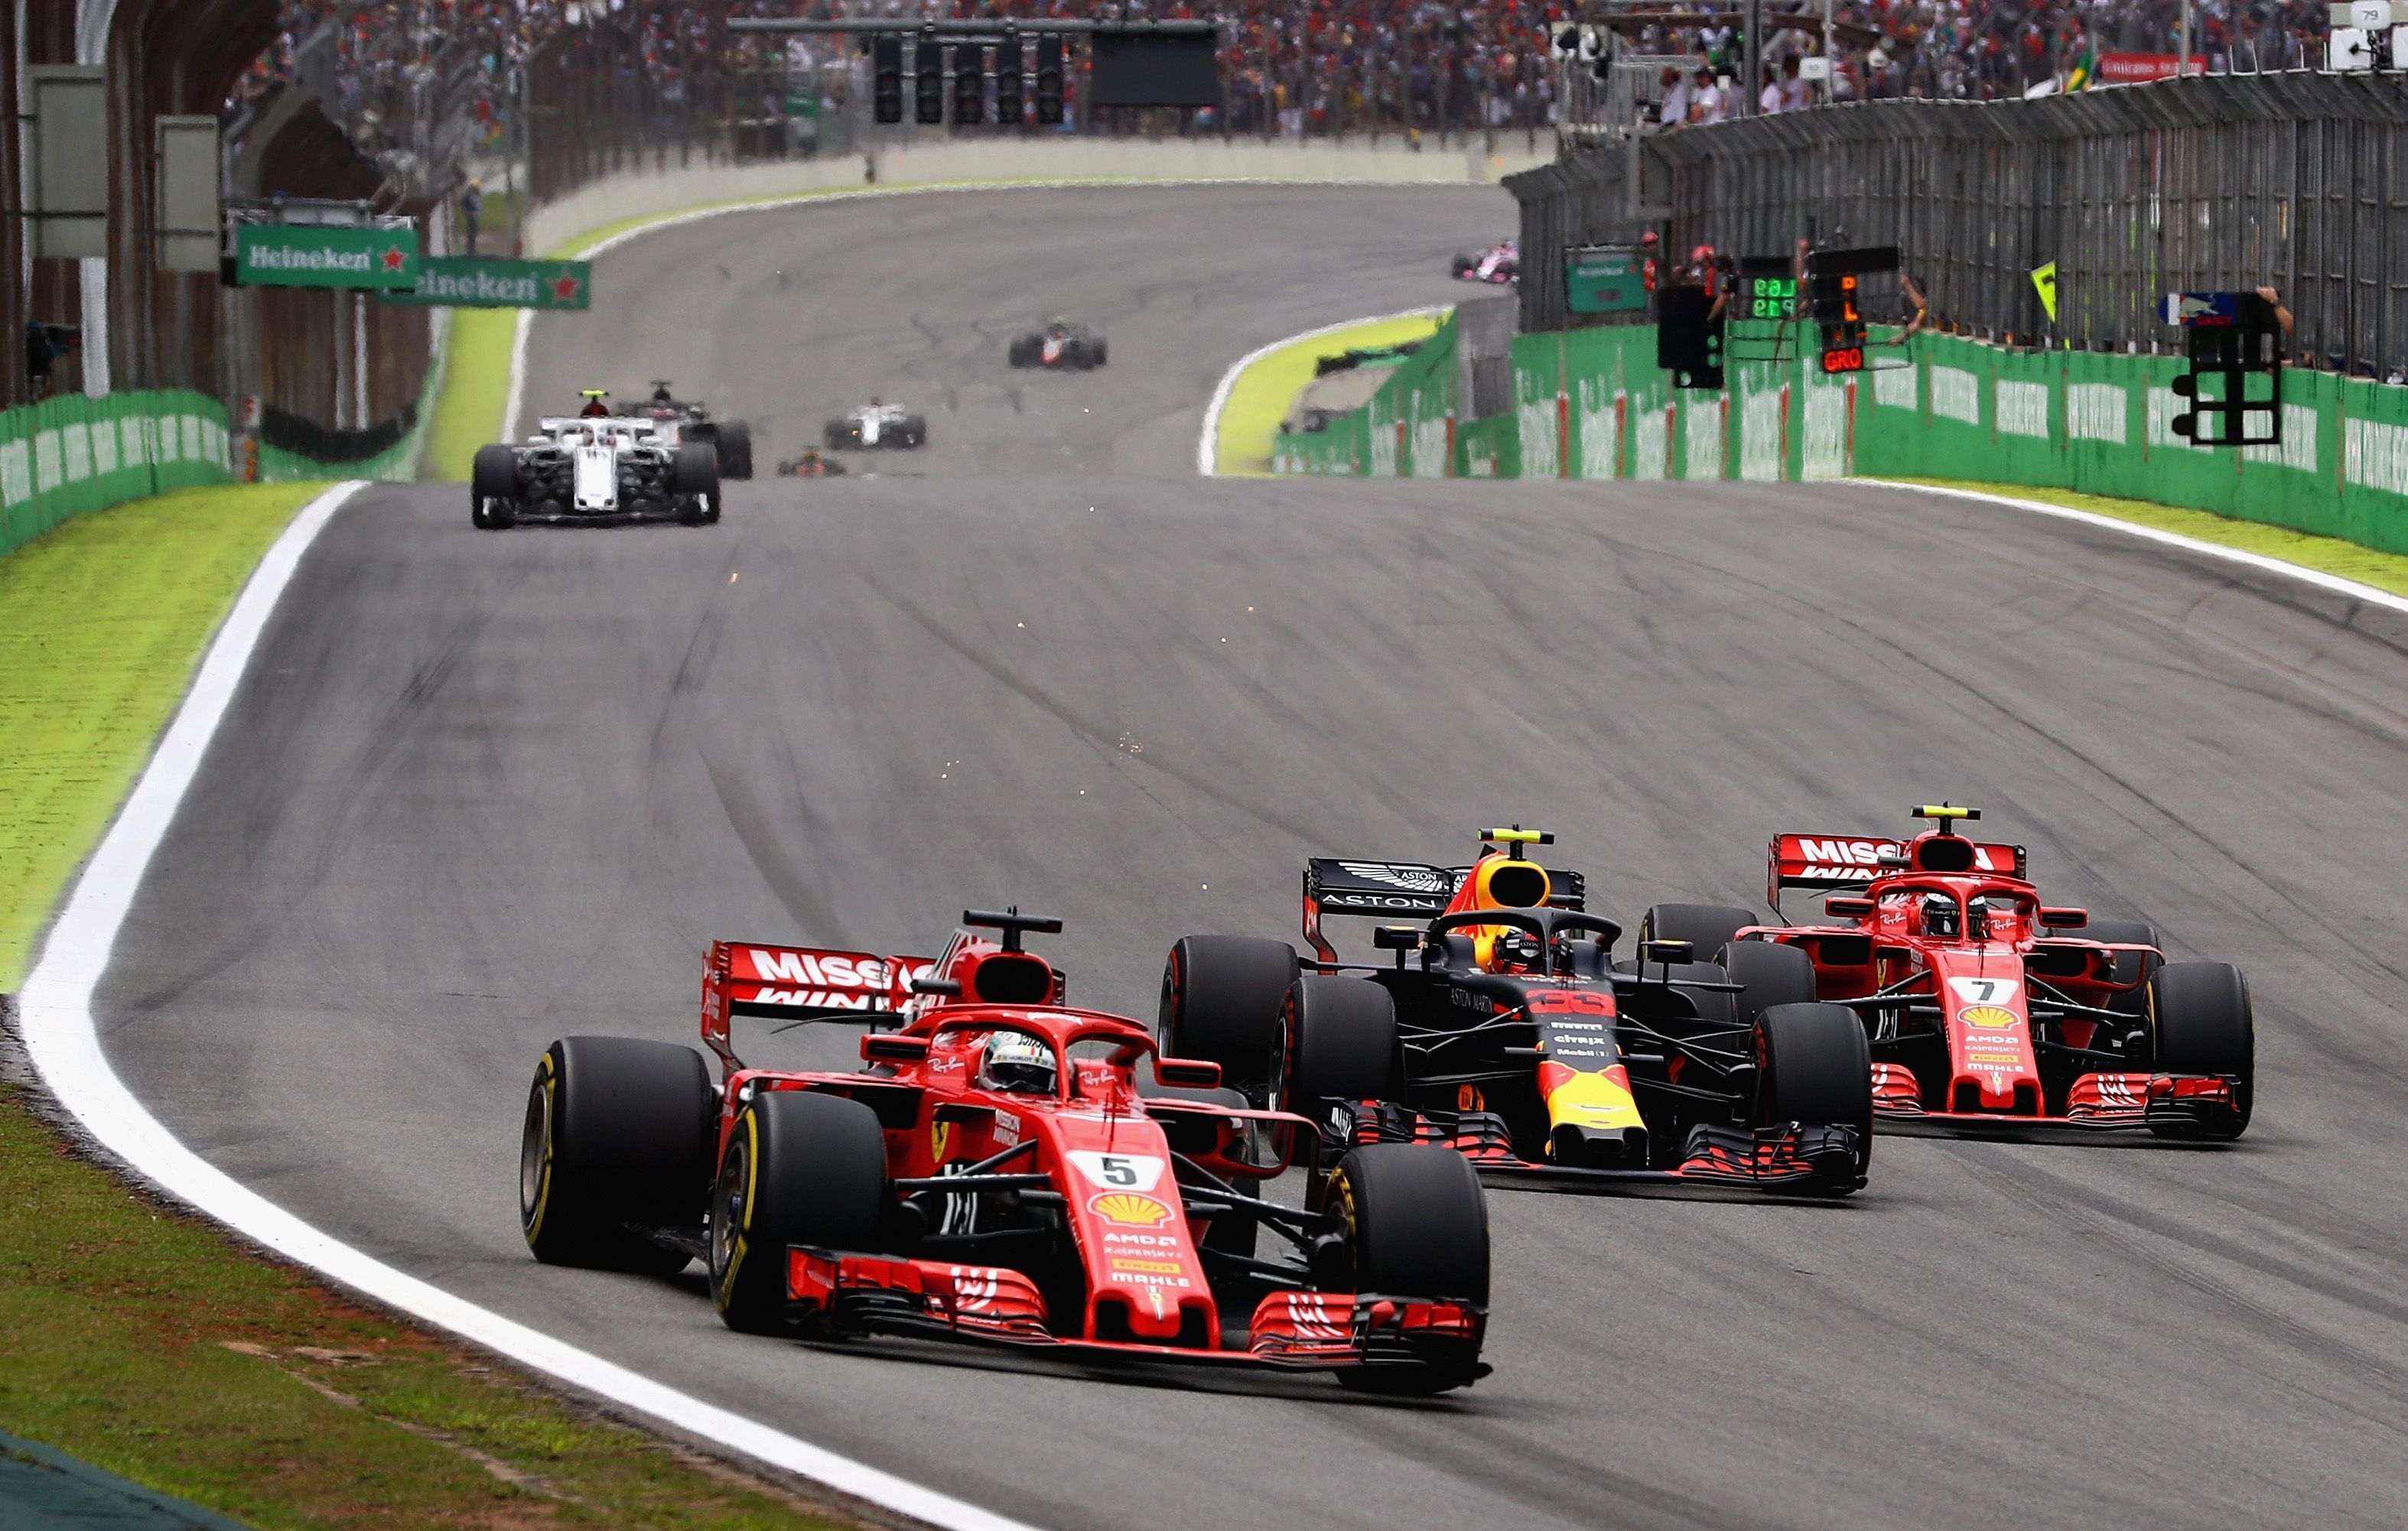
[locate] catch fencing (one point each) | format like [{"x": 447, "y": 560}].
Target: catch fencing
[
  {"x": 2297, "y": 181},
  {"x": 1592, "y": 404}
]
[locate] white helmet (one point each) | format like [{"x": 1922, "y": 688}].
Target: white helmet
[{"x": 1018, "y": 1062}]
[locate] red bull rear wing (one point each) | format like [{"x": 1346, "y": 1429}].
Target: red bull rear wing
[{"x": 1387, "y": 889}]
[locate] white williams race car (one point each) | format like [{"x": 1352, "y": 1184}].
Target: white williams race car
[
  {"x": 596, "y": 470},
  {"x": 877, "y": 425}
]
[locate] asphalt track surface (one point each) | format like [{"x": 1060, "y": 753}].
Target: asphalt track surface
[{"x": 480, "y": 791}]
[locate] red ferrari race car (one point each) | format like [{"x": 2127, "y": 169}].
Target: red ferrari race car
[
  {"x": 1988, "y": 1010},
  {"x": 1004, "y": 1169},
  {"x": 1505, "y": 1029}
]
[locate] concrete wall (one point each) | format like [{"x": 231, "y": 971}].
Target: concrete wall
[{"x": 641, "y": 193}]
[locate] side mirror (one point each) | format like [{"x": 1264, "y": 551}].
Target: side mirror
[
  {"x": 1396, "y": 938},
  {"x": 1188, "y": 1073},
  {"x": 1846, "y": 907},
  {"x": 1668, "y": 952},
  {"x": 892, "y": 1048},
  {"x": 2063, "y": 919}
]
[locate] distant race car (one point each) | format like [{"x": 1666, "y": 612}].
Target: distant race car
[
  {"x": 1498, "y": 264},
  {"x": 595, "y": 470},
  {"x": 1507, "y": 1030},
  {"x": 877, "y": 425},
  {"x": 811, "y": 464},
  {"x": 1002, "y": 1169},
  {"x": 1989, "y": 1011},
  {"x": 688, "y": 420},
  {"x": 1072, "y": 347}
]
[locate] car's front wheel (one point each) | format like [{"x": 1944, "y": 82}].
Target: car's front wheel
[
  {"x": 1415, "y": 1225},
  {"x": 494, "y": 489},
  {"x": 2202, "y": 1022},
  {"x": 801, "y": 1167}
]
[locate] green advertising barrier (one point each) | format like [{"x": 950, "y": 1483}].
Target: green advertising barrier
[
  {"x": 481, "y": 282},
  {"x": 64, "y": 456},
  {"x": 1592, "y": 404},
  {"x": 324, "y": 256}
]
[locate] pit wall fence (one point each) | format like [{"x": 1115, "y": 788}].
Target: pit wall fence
[
  {"x": 1592, "y": 404},
  {"x": 65, "y": 456}
]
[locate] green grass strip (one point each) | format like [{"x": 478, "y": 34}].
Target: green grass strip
[
  {"x": 150, "y": 1345},
  {"x": 474, "y": 391},
  {"x": 2325, "y": 554},
  {"x": 1259, "y": 399},
  {"x": 102, "y": 620}
]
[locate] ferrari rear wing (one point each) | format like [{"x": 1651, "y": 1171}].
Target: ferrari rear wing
[
  {"x": 1849, "y": 862},
  {"x": 799, "y": 983}
]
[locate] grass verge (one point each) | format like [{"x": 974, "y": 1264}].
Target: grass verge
[
  {"x": 476, "y": 389},
  {"x": 2326, "y": 554},
  {"x": 148, "y": 1343},
  {"x": 101, "y": 622},
  {"x": 1260, "y": 397}
]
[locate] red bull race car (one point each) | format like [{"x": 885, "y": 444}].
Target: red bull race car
[
  {"x": 1003, "y": 1170},
  {"x": 1986, "y": 1009},
  {"x": 1506, "y": 1029}
]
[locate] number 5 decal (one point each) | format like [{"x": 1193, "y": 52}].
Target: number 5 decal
[{"x": 1118, "y": 1171}]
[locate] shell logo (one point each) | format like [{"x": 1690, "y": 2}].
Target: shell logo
[
  {"x": 1128, "y": 1210},
  {"x": 1989, "y": 1017}
]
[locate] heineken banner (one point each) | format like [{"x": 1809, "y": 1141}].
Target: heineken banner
[
  {"x": 324, "y": 256},
  {"x": 475, "y": 281}
]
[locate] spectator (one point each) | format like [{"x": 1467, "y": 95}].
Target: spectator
[
  {"x": 1796, "y": 95},
  {"x": 1768, "y": 100},
  {"x": 1705, "y": 99},
  {"x": 472, "y": 210},
  {"x": 1674, "y": 113}
]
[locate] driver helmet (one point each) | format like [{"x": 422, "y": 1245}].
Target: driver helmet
[
  {"x": 875, "y": 402},
  {"x": 1018, "y": 1062},
  {"x": 661, "y": 393},
  {"x": 1516, "y": 950},
  {"x": 1938, "y": 915}
]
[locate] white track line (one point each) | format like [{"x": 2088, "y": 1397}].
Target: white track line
[
  {"x": 1208, "y": 446},
  {"x": 519, "y": 344},
  {"x": 2301, "y": 572},
  {"x": 64, "y": 1044}
]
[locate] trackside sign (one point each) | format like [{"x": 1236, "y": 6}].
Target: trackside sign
[
  {"x": 311, "y": 255},
  {"x": 472, "y": 281}
]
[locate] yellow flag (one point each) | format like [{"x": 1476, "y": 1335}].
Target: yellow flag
[{"x": 2045, "y": 278}]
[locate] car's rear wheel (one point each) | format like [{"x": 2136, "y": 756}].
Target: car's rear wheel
[
  {"x": 2202, "y": 1022},
  {"x": 1098, "y": 351},
  {"x": 617, "y": 1137},
  {"x": 735, "y": 449},
  {"x": 1415, "y": 1225},
  {"x": 1707, "y": 927},
  {"x": 1024, "y": 351},
  {"x": 494, "y": 489},
  {"x": 801, "y": 1167},
  {"x": 915, "y": 431},
  {"x": 837, "y": 435},
  {"x": 1222, "y": 998},
  {"x": 1771, "y": 973},
  {"x": 1815, "y": 1069},
  {"x": 1341, "y": 1042}
]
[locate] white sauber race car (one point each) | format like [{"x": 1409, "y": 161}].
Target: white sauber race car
[
  {"x": 596, "y": 470},
  {"x": 877, "y": 425}
]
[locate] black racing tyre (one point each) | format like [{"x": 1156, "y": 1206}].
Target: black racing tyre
[
  {"x": 1774, "y": 975},
  {"x": 1097, "y": 352},
  {"x": 1222, "y": 998},
  {"x": 915, "y": 430},
  {"x": 1024, "y": 350},
  {"x": 2131, "y": 966},
  {"x": 493, "y": 488},
  {"x": 2202, "y": 1022},
  {"x": 1415, "y": 1225},
  {"x": 694, "y": 478},
  {"x": 1463, "y": 263},
  {"x": 1341, "y": 1041},
  {"x": 618, "y": 1131},
  {"x": 1707, "y": 927},
  {"x": 735, "y": 449},
  {"x": 1813, "y": 1068},
  {"x": 836, "y": 437},
  {"x": 801, "y": 1167}
]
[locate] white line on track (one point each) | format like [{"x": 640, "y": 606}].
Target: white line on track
[
  {"x": 2301, "y": 572},
  {"x": 1208, "y": 445},
  {"x": 64, "y": 1044}
]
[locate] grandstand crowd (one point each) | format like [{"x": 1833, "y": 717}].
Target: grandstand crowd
[{"x": 1322, "y": 67}]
